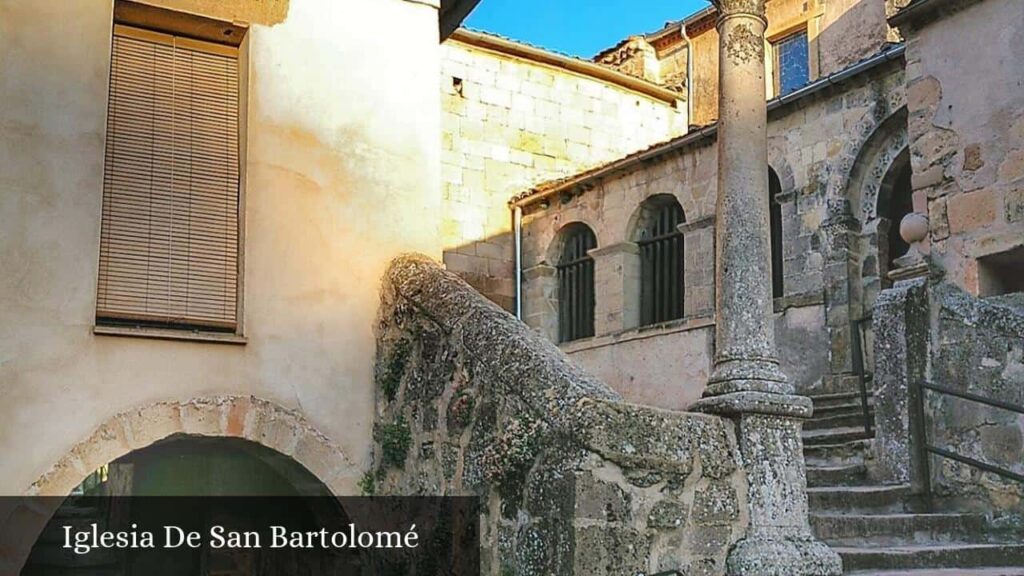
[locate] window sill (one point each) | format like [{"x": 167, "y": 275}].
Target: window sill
[
  {"x": 170, "y": 334},
  {"x": 685, "y": 324}
]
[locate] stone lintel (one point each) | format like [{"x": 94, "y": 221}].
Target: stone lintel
[{"x": 753, "y": 402}]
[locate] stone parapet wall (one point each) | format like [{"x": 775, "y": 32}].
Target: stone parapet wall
[
  {"x": 934, "y": 332},
  {"x": 572, "y": 479},
  {"x": 977, "y": 346}
]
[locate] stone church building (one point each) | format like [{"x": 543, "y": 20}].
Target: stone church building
[{"x": 207, "y": 210}]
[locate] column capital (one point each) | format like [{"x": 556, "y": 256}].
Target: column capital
[{"x": 728, "y": 8}]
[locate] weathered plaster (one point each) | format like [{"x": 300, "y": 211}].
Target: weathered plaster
[{"x": 341, "y": 175}]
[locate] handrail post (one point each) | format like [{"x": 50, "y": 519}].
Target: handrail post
[
  {"x": 857, "y": 343},
  {"x": 921, "y": 480}
]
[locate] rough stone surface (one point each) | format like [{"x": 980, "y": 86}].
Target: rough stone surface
[
  {"x": 934, "y": 331},
  {"x": 574, "y": 480}
]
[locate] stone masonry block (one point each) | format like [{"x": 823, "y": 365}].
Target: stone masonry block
[
  {"x": 972, "y": 210},
  {"x": 154, "y": 422}
]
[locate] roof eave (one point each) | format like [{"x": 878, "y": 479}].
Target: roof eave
[{"x": 452, "y": 13}]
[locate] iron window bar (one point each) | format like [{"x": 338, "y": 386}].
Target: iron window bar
[
  {"x": 576, "y": 287},
  {"x": 662, "y": 264}
]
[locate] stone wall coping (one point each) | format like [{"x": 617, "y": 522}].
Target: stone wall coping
[{"x": 514, "y": 361}]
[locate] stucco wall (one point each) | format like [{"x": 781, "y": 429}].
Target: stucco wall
[
  {"x": 508, "y": 124},
  {"x": 967, "y": 151},
  {"x": 341, "y": 175}
]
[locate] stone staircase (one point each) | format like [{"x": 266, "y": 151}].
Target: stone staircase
[{"x": 883, "y": 530}]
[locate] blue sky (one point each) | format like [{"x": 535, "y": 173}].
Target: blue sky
[{"x": 577, "y": 27}]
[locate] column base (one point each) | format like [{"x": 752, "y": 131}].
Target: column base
[
  {"x": 746, "y": 374},
  {"x": 753, "y": 401},
  {"x": 786, "y": 556}
]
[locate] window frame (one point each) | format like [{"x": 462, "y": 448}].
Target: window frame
[
  {"x": 776, "y": 43},
  {"x": 149, "y": 328}
]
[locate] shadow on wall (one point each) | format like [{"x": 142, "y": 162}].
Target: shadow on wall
[{"x": 488, "y": 265}]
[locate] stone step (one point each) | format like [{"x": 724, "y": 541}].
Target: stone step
[
  {"x": 863, "y": 498},
  {"x": 951, "y": 555},
  {"x": 842, "y": 475},
  {"x": 850, "y": 452},
  {"x": 845, "y": 529},
  {"x": 844, "y": 408},
  {"x": 826, "y": 400},
  {"x": 834, "y": 435},
  {"x": 837, "y": 421},
  {"x": 1008, "y": 571}
]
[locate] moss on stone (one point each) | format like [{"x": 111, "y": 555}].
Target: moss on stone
[
  {"x": 395, "y": 439},
  {"x": 367, "y": 484},
  {"x": 394, "y": 367}
]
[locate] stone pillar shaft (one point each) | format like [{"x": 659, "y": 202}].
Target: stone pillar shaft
[
  {"x": 745, "y": 356},
  {"x": 746, "y": 384}
]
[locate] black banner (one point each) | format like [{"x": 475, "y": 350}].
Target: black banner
[{"x": 227, "y": 536}]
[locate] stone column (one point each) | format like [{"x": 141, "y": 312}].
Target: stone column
[
  {"x": 747, "y": 384},
  {"x": 744, "y": 334}
]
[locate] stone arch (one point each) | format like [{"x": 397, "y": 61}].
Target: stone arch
[
  {"x": 554, "y": 251},
  {"x": 642, "y": 213},
  {"x": 880, "y": 151},
  {"x": 261, "y": 421},
  {"x": 778, "y": 163},
  {"x": 884, "y": 111}
]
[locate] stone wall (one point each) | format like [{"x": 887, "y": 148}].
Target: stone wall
[
  {"x": 977, "y": 346},
  {"x": 509, "y": 123},
  {"x": 573, "y": 479},
  {"x": 830, "y": 152},
  {"x": 839, "y": 33},
  {"x": 968, "y": 151},
  {"x": 931, "y": 331}
]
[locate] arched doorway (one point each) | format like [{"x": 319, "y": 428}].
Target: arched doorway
[
  {"x": 895, "y": 200},
  {"x": 193, "y": 483}
]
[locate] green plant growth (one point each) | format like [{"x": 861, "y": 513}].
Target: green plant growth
[
  {"x": 367, "y": 484},
  {"x": 394, "y": 367},
  {"x": 395, "y": 440}
]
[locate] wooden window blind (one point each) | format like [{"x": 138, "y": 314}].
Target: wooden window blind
[{"x": 170, "y": 229}]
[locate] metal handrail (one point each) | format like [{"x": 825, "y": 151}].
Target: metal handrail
[
  {"x": 857, "y": 341},
  {"x": 927, "y": 448}
]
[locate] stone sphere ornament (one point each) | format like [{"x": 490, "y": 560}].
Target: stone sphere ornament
[{"x": 914, "y": 227}]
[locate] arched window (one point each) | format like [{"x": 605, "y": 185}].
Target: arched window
[
  {"x": 661, "y": 260},
  {"x": 576, "y": 284},
  {"x": 775, "y": 228}
]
